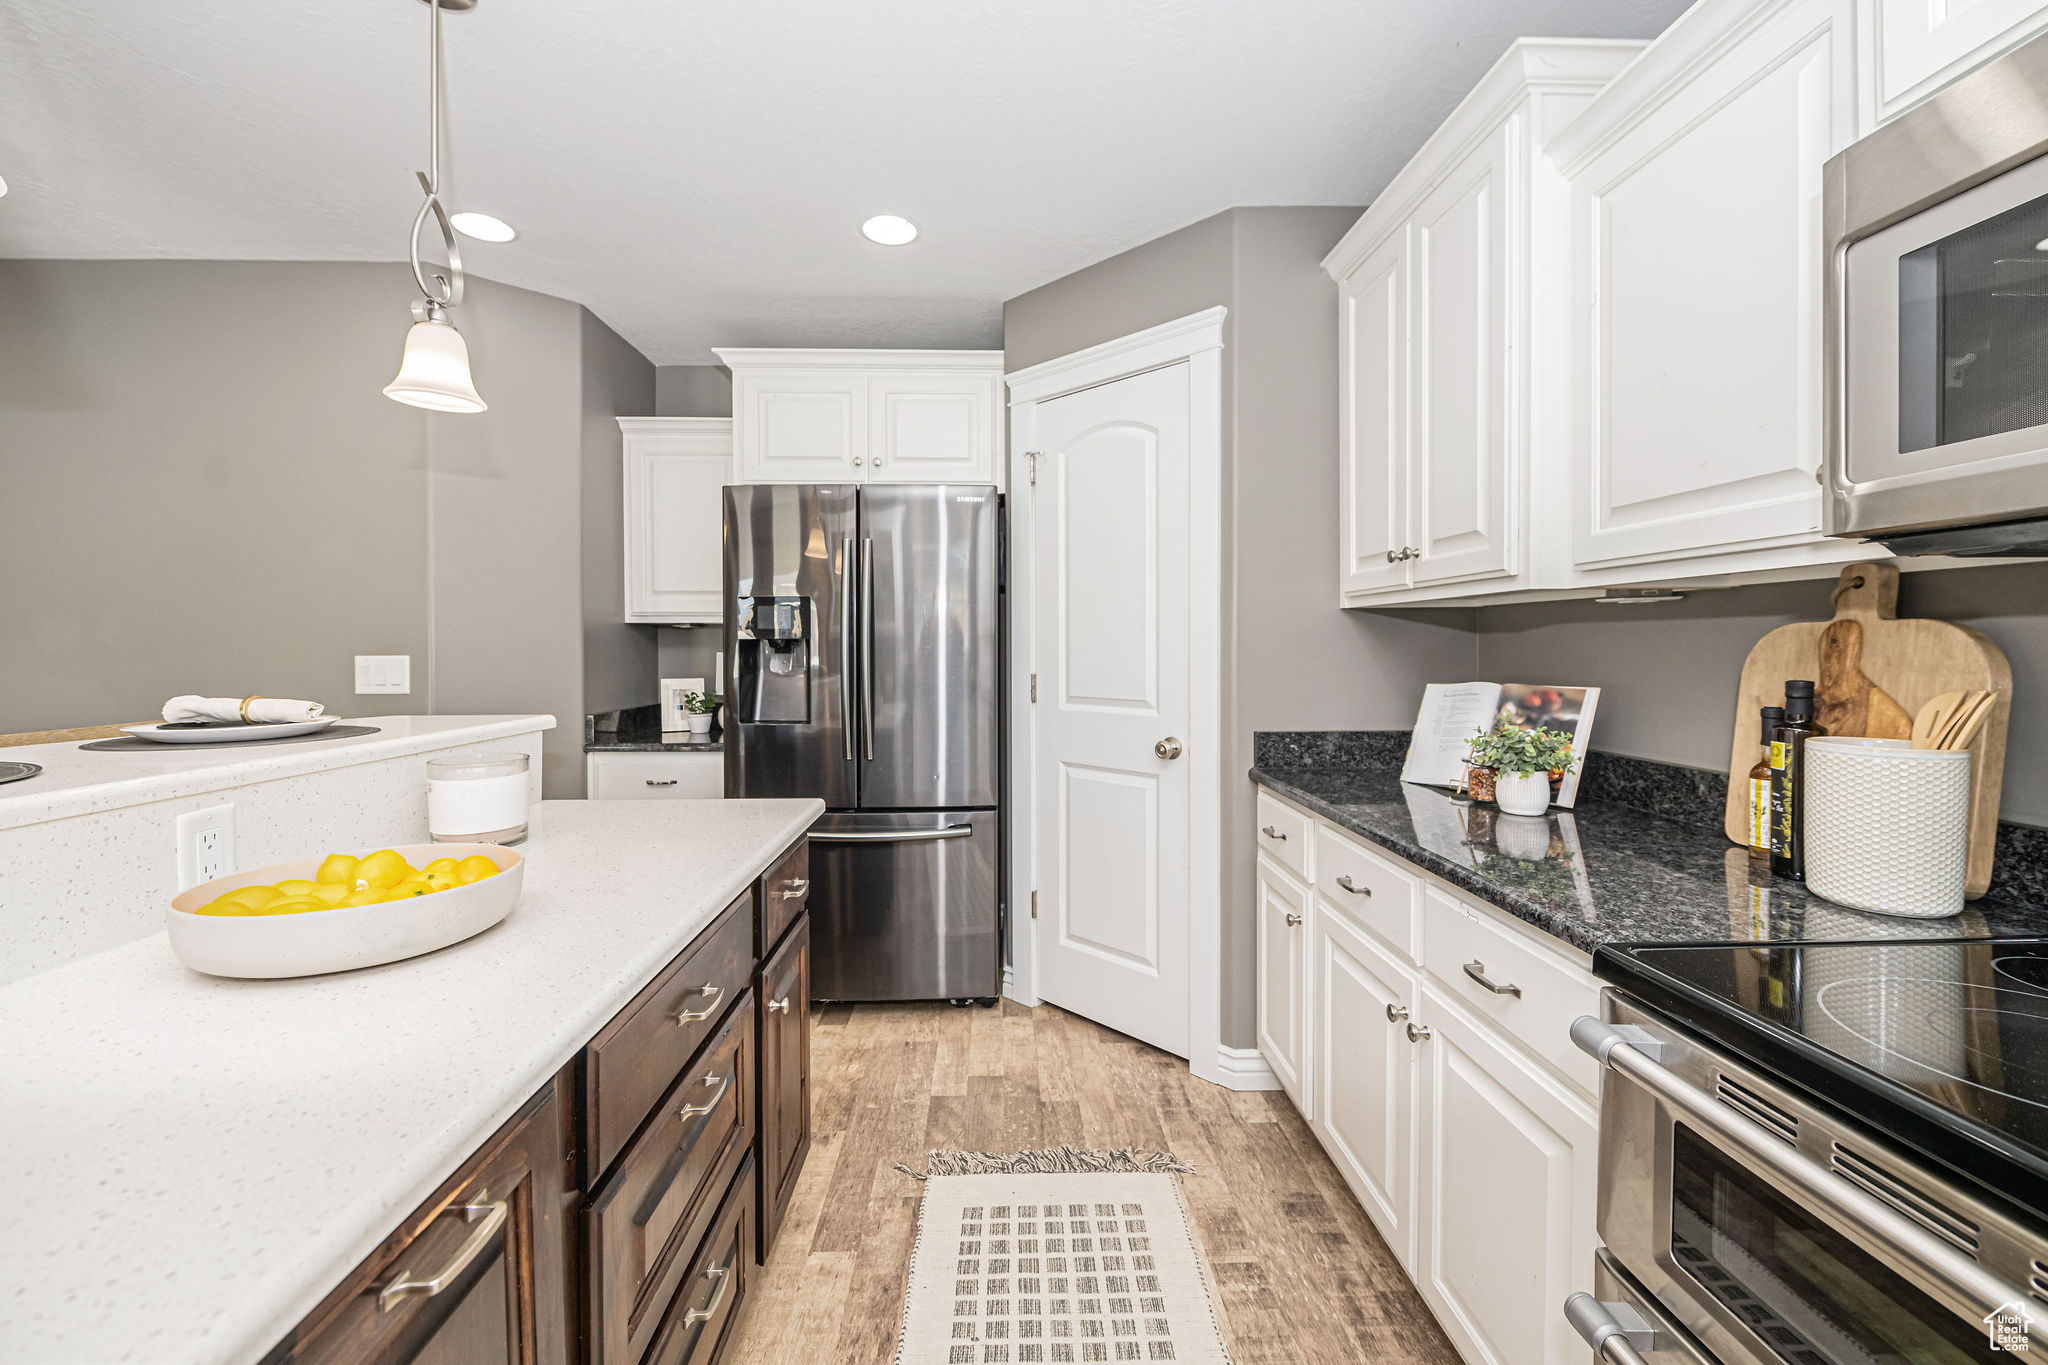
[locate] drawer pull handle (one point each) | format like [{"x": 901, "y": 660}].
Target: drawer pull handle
[
  {"x": 711, "y": 991},
  {"x": 723, "y": 1275},
  {"x": 792, "y": 890},
  {"x": 1353, "y": 887},
  {"x": 1396, "y": 1013},
  {"x": 665, "y": 782},
  {"x": 1477, "y": 971},
  {"x": 1294, "y": 921},
  {"x": 488, "y": 1217},
  {"x": 724, "y": 1083},
  {"x": 780, "y": 1006},
  {"x": 1418, "y": 1033},
  {"x": 1272, "y": 833}
]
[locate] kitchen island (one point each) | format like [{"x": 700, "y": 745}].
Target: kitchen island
[{"x": 195, "y": 1163}]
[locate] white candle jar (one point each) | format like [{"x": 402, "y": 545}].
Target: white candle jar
[{"x": 480, "y": 800}]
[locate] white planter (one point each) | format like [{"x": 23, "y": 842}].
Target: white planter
[
  {"x": 1519, "y": 795},
  {"x": 700, "y": 723}
]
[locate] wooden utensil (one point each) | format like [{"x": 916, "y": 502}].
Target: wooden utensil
[
  {"x": 1932, "y": 717},
  {"x": 1846, "y": 702},
  {"x": 1912, "y": 662},
  {"x": 1969, "y": 719}
]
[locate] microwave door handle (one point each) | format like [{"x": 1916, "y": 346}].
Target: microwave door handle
[
  {"x": 846, "y": 573},
  {"x": 1965, "y": 1286},
  {"x": 867, "y": 647}
]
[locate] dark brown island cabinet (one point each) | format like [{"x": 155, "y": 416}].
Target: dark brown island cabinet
[{"x": 618, "y": 1218}]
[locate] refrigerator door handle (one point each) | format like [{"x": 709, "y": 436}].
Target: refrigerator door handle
[
  {"x": 867, "y": 647},
  {"x": 846, "y": 571},
  {"x": 889, "y": 836}
]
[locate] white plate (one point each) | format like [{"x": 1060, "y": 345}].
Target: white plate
[
  {"x": 347, "y": 936},
  {"x": 232, "y": 733}
]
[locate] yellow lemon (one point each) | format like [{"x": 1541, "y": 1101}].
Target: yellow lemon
[
  {"x": 223, "y": 906},
  {"x": 414, "y": 887},
  {"x": 338, "y": 870},
  {"x": 296, "y": 886},
  {"x": 384, "y": 868},
  {"x": 369, "y": 895},
  {"x": 440, "y": 865},
  {"x": 254, "y": 897},
  {"x": 293, "y": 905},
  {"x": 475, "y": 868},
  {"x": 332, "y": 893}
]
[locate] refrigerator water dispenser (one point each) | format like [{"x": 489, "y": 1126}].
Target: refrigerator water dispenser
[{"x": 772, "y": 660}]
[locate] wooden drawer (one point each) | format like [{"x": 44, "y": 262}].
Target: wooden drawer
[
  {"x": 701, "y": 1317},
  {"x": 1534, "y": 996},
  {"x": 1284, "y": 835},
  {"x": 784, "y": 889},
  {"x": 1367, "y": 888},
  {"x": 642, "y": 1224},
  {"x": 637, "y": 1055},
  {"x": 784, "y": 997},
  {"x": 656, "y": 776}
]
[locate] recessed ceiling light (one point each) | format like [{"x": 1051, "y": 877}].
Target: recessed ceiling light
[
  {"x": 3, "y": 189},
  {"x": 889, "y": 230},
  {"x": 2041, "y": 245},
  {"x": 482, "y": 226}
]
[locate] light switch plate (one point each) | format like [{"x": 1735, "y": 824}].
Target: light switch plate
[
  {"x": 384, "y": 673},
  {"x": 206, "y": 845}
]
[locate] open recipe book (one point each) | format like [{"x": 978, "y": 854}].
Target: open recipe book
[{"x": 1452, "y": 713}]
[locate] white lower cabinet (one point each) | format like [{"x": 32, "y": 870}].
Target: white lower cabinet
[
  {"x": 633, "y": 776},
  {"x": 1365, "y": 1073},
  {"x": 1507, "y": 1197},
  {"x": 1284, "y": 981},
  {"x": 1464, "y": 1128}
]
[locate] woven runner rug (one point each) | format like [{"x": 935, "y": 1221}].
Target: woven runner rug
[{"x": 1055, "y": 1256}]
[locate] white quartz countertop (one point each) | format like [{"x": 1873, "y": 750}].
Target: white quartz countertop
[
  {"x": 77, "y": 781},
  {"x": 192, "y": 1163}
]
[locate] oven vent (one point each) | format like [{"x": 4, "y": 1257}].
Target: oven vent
[
  {"x": 2037, "y": 1282},
  {"x": 1747, "y": 1102},
  {"x": 1930, "y": 1213}
]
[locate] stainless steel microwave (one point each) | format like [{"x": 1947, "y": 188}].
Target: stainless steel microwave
[{"x": 1937, "y": 320}]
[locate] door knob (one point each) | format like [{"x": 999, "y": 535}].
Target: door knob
[{"x": 1167, "y": 748}]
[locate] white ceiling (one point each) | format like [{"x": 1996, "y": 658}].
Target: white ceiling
[{"x": 695, "y": 172}]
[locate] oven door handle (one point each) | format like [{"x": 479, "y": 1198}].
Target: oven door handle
[
  {"x": 1617, "y": 1332},
  {"x": 1966, "y": 1287}
]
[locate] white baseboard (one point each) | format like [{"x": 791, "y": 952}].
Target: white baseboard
[
  {"x": 1244, "y": 1068},
  {"x": 1010, "y": 991}
]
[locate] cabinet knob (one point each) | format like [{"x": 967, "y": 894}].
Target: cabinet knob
[
  {"x": 1294, "y": 921},
  {"x": 1396, "y": 1013},
  {"x": 1418, "y": 1033},
  {"x": 780, "y": 1006},
  {"x": 856, "y": 459}
]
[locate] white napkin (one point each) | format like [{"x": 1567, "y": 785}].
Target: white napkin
[{"x": 262, "y": 711}]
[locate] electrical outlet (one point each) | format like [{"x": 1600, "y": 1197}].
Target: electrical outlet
[
  {"x": 385, "y": 673},
  {"x": 206, "y": 845}
]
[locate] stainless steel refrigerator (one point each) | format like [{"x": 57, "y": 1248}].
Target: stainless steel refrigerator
[{"x": 863, "y": 650}]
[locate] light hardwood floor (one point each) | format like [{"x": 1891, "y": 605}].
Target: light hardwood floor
[{"x": 1301, "y": 1275}]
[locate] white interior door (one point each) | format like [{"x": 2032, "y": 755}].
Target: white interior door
[{"x": 1111, "y": 631}]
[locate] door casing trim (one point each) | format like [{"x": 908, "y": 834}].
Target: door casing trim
[{"x": 1196, "y": 341}]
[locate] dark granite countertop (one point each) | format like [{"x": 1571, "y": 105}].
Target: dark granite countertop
[
  {"x": 1602, "y": 873},
  {"x": 637, "y": 730}
]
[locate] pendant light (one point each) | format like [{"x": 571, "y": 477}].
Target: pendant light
[{"x": 434, "y": 371}]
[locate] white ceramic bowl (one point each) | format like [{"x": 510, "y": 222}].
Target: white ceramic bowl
[{"x": 347, "y": 936}]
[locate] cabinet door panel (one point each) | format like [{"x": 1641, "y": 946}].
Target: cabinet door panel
[
  {"x": 1697, "y": 304},
  {"x": 800, "y": 426},
  {"x": 1462, "y": 478},
  {"x": 1365, "y": 1074},
  {"x": 673, "y": 563},
  {"x": 1374, "y": 467},
  {"x": 932, "y": 428},
  {"x": 1283, "y": 981},
  {"x": 656, "y": 776},
  {"x": 1507, "y": 1208},
  {"x": 1922, "y": 45},
  {"x": 785, "y": 1004}
]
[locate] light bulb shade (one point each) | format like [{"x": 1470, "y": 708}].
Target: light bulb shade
[{"x": 434, "y": 372}]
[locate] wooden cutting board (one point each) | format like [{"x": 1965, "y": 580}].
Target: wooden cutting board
[{"x": 1881, "y": 670}]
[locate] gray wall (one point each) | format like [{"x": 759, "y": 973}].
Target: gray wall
[
  {"x": 204, "y": 489},
  {"x": 693, "y": 391},
  {"x": 1670, "y": 671},
  {"x": 1293, "y": 659},
  {"x": 690, "y": 652}
]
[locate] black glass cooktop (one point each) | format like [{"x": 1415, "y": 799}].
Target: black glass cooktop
[{"x": 1941, "y": 1044}]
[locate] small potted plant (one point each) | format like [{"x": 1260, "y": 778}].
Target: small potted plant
[
  {"x": 1521, "y": 763},
  {"x": 701, "y": 709}
]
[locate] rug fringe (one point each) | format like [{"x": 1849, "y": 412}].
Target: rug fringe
[{"x": 1051, "y": 1161}]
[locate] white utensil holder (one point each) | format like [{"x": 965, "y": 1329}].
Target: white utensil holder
[{"x": 1887, "y": 826}]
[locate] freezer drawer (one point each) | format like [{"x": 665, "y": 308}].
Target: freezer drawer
[{"x": 903, "y": 906}]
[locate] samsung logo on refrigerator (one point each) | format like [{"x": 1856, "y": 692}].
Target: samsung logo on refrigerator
[{"x": 970, "y": 497}]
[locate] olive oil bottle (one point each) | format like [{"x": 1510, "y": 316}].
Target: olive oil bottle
[
  {"x": 1760, "y": 789},
  {"x": 1788, "y": 780}
]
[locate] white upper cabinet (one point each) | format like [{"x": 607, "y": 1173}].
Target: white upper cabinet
[
  {"x": 812, "y": 416},
  {"x": 1912, "y": 48},
  {"x": 1448, "y": 329},
  {"x": 675, "y": 470},
  {"x": 1696, "y": 279}
]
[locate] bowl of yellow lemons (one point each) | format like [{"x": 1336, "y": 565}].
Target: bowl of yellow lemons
[{"x": 344, "y": 910}]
